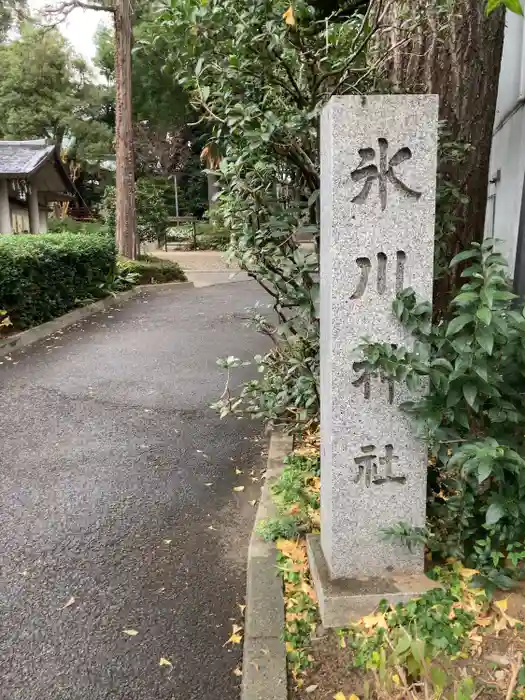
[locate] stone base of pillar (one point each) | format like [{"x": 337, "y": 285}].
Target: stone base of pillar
[{"x": 344, "y": 601}]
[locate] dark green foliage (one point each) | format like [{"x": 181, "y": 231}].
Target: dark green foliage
[
  {"x": 473, "y": 416},
  {"x": 259, "y": 82},
  {"x": 150, "y": 270},
  {"x": 42, "y": 277},
  {"x": 69, "y": 225}
]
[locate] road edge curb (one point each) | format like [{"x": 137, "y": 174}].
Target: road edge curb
[
  {"x": 26, "y": 338},
  {"x": 264, "y": 655}
]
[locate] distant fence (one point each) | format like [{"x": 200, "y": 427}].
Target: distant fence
[{"x": 176, "y": 221}]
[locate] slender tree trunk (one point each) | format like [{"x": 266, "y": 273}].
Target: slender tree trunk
[
  {"x": 453, "y": 50},
  {"x": 125, "y": 179}
]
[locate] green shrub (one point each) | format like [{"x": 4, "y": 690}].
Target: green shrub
[
  {"x": 150, "y": 270},
  {"x": 472, "y": 417},
  {"x": 73, "y": 226},
  {"x": 44, "y": 276}
]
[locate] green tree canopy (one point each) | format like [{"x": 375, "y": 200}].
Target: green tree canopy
[
  {"x": 11, "y": 12},
  {"x": 47, "y": 91}
]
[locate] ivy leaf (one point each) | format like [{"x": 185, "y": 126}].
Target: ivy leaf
[
  {"x": 470, "y": 391},
  {"x": 485, "y": 339},
  {"x": 513, "y": 6},
  {"x": 458, "y": 323},
  {"x": 439, "y": 677},
  {"x": 492, "y": 5},
  {"x": 465, "y": 297},
  {"x": 484, "y": 314},
  {"x": 484, "y": 471},
  {"x": 466, "y": 254},
  {"x": 494, "y": 514}
]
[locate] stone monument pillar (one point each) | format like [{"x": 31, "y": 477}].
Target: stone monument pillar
[{"x": 378, "y": 179}]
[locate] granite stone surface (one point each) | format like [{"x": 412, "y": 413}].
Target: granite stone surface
[
  {"x": 378, "y": 174},
  {"x": 344, "y": 601}
]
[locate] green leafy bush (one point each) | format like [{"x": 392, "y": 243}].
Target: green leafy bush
[
  {"x": 69, "y": 225},
  {"x": 42, "y": 277},
  {"x": 472, "y": 417},
  {"x": 150, "y": 270}
]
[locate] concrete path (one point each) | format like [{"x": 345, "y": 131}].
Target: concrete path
[
  {"x": 204, "y": 267},
  {"x": 118, "y": 511}
]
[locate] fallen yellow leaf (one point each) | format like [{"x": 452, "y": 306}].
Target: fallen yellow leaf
[
  {"x": 237, "y": 672},
  {"x": 353, "y": 697},
  {"x": 235, "y": 637},
  {"x": 242, "y": 608},
  {"x": 252, "y": 503},
  {"x": 289, "y": 18},
  {"x": 289, "y": 647},
  {"x": 167, "y": 541},
  {"x": 339, "y": 696},
  {"x": 131, "y": 633},
  {"x": 502, "y": 604},
  {"x": 310, "y": 689},
  {"x": 238, "y": 471},
  {"x": 372, "y": 621},
  {"x": 484, "y": 621},
  {"x": 165, "y": 662},
  {"x": 238, "y": 488}
]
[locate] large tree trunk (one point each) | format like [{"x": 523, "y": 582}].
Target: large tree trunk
[
  {"x": 455, "y": 53},
  {"x": 125, "y": 178}
]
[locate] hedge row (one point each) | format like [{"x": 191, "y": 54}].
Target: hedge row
[{"x": 44, "y": 276}]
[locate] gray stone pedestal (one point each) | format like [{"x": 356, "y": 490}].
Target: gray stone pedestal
[
  {"x": 378, "y": 178},
  {"x": 344, "y": 601}
]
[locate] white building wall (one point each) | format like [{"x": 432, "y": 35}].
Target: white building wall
[{"x": 507, "y": 163}]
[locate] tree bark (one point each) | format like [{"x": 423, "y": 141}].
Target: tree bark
[
  {"x": 455, "y": 53},
  {"x": 125, "y": 176}
]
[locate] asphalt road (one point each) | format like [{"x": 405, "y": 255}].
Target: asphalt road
[{"x": 116, "y": 491}]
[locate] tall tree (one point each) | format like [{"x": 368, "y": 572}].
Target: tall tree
[
  {"x": 46, "y": 90},
  {"x": 452, "y": 49},
  {"x": 121, "y": 11},
  {"x": 11, "y": 14}
]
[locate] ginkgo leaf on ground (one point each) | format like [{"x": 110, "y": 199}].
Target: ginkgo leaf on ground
[
  {"x": 289, "y": 17},
  {"x": 237, "y": 672},
  {"x": 238, "y": 471},
  {"x": 235, "y": 637},
  {"x": 238, "y": 488},
  {"x": 131, "y": 633},
  {"x": 339, "y": 696},
  {"x": 165, "y": 662}
]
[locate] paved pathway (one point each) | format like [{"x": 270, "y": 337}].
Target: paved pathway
[
  {"x": 204, "y": 267},
  {"x": 117, "y": 504}
]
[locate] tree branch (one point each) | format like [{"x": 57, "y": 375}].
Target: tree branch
[{"x": 62, "y": 11}]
